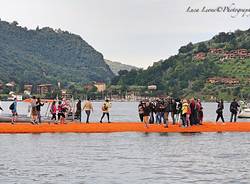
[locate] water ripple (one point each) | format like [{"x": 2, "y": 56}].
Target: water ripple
[{"x": 125, "y": 158}]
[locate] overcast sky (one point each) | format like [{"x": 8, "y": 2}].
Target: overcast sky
[{"x": 136, "y": 32}]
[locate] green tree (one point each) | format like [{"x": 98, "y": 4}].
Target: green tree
[
  {"x": 185, "y": 49},
  {"x": 202, "y": 47}
]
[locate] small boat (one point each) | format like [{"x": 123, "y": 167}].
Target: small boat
[
  {"x": 244, "y": 110},
  {"x": 244, "y": 113}
]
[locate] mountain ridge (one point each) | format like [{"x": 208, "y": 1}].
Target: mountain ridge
[
  {"x": 46, "y": 55},
  {"x": 116, "y": 66}
]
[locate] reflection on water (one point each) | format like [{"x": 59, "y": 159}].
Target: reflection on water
[{"x": 125, "y": 158}]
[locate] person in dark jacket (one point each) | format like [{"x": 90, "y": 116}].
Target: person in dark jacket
[
  {"x": 140, "y": 111},
  {"x": 162, "y": 109},
  {"x": 53, "y": 110},
  {"x": 168, "y": 110},
  {"x": 199, "y": 111},
  {"x": 219, "y": 110},
  {"x": 152, "y": 112},
  {"x": 179, "y": 110},
  {"x": 194, "y": 112},
  {"x": 158, "y": 112},
  {"x": 173, "y": 110},
  {"x": 234, "y": 109},
  {"x": 79, "y": 110},
  {"x": 39, "y": 104}
]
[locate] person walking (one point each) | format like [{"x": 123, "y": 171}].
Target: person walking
[
  {"x": 158, "y": 112},
  {"x": 146, "y": 113},
  {"x": 162, "y": 110},
  {"x": 105, "y": 110},
  {"x": 234, "y": 110},
  {"x": 39, "y": 104},
  {"x": 79, "y": 110},
  {"x": 200, "y": 112},
  {"x": 152, "y": 112},
  {"x": 185, "y": 112},
  {"x": 13, "y": 108},
  {"x": 140, "y": 111},
  {"x": 173, "y": 110},
  {"x": 194, "y": 112},
  {"x": 33, "y": 110},
  {"x": 219, "y": 110},
  {"x": 53, "y": 110},
  {"x": 167, "y": 111},
  {"x": 61, "y": 112},
  {"x": 179, "y": 110},
  {"x": 88, "y": 107}
]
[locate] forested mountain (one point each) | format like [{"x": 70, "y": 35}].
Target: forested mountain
[
  {"x": 48, "y": 56},
  {"x": 218, "y": 68},
  {"x": 117, "y": 66}
]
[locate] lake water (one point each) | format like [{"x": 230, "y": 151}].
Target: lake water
[
  {"x": 207, "y": 158},
  {"x": 121, "y": 158}
]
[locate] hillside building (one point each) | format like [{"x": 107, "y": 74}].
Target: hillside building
[
  {"x": 43, "y": 89},
  {"x": 101, "y": 86},
  {"x": 223, "y": 80}
]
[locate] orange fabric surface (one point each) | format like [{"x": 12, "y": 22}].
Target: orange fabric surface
[{"x": 119, "y": 127}]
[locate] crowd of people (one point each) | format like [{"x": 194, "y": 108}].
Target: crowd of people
[
  {"x": 158, "y": 111},
  {"x": 60, "y": 110},
  {"x": 88, "y": 108},
  {"x": 186, "y": 111}
]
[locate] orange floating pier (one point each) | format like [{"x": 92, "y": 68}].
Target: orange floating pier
[{"x": 76, "y": 127}]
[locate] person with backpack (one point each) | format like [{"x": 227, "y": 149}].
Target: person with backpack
[
  {"x": 13, "y": 108},
  {"x": 88, "y": 107},
  {"x": 105, "y": 110},
  {"x": 219, "y": 110}
]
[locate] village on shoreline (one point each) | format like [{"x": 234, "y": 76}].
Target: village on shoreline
[{"x": 97, "y": 91}]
